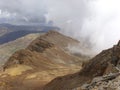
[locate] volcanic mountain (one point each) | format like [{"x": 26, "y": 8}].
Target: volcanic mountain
[
  {"x": 103, "y": 68},
  {"x": 44, "y": 59}
]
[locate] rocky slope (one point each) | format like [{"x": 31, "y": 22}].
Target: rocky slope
[
  {"x": 104, "y": 65},
  {"x": 44, "y": 59},
  {"x": 7, "y": 49}
]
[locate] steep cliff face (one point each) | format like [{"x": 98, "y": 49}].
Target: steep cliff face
[
  {"x": 108, "y": 61},
  {"x": 43, "y": 60}
]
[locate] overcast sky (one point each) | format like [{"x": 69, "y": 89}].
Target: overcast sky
[{"x": 97, "y": 21}]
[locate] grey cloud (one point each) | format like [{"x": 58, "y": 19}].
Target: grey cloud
[{"x": 31, "y": 11}]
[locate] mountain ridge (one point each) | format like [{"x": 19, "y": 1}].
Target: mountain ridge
[{"x": 43, "y": 60}]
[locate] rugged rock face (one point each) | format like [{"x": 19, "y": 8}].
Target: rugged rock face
[
  {"x": 40, "y": 45},
  {"x": 108, "y": 61},
  {"x": 43, "y": 60}
]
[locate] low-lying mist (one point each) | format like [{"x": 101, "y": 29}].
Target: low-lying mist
[{"x": 93, "y": 22}]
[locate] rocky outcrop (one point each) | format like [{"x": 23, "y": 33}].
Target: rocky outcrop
[{"x": 40, "y": 45}]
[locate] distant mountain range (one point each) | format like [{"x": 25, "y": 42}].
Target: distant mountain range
[{"x": 10, "y": 32}]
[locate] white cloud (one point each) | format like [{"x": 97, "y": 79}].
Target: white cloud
[{"x": 97, "y": 21}]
